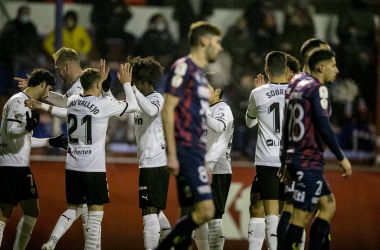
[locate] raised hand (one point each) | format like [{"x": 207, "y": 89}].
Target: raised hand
[
  {"x": 103, "y": 70},
  {"x": 22, "y": 83},
  {"x": 32, "y": 122},
  {"x": 58, "y": 141},
  {"x": 259, "y": 81},
  {"x": 125, "y": 73}
]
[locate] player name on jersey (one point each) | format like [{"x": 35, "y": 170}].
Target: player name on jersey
[{"x": 84, "y": 103}]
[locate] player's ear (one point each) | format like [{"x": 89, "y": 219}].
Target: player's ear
[
  {"x": 320, "y": 68},
  {"x": 43, "y": 84},
  {"x": 266, "y": 71},
  {"x": 204, "y": 41}
]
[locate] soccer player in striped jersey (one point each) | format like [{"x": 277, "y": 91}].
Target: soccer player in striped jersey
[
  {"x": 305, "y": 51},
  {"x": 306, "y": 125},
  {"x": 184, "y": 121},
  {"x": 151, "y": 154},
  {"x": 220, "y": 129},
  {"x": 17, "y": 185}
]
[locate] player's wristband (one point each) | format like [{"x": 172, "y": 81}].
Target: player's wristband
[{"x": 45, "y": 107}]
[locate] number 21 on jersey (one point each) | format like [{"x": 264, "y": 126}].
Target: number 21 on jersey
[{"x": 73, "y": 126}]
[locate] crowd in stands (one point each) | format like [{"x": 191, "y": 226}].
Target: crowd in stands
[{"x": 245, "y": 44}]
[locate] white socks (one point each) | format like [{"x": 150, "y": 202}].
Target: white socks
[
  {"x": 210, "y": 236},
  {"x": 256, "y": 233},
  {"x": 165, "y": 227},
  {"x": 24, "y": 230},
  {"x": 93, "y": 229},
  {"x": 201, "y": 237},
  {"x": 64, "y": 223},
  {"x": 271, "y": 222},
  {"x": 216, "y": 236},
  {"x": 2, "y": 226},
  {"x": 151, "y": 231}
]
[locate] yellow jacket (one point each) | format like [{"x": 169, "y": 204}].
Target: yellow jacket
[{"x": 77, "y": 39}]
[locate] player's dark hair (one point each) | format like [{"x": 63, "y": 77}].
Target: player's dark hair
[
  {"x": 200, "y": 29},
  {"x": 293, "y": 64},
  {"x": 39, "y": 75},
  {"x": 64, "y": 55},
  {"x": 145, "y": 69},
  {"x": 319, "y": 55},
  {"x": 276, "y": 63},
  {"x": 308, "y": 45},
  {"x": 217, "y": 81},
  {"x": 89, "y": 77}
]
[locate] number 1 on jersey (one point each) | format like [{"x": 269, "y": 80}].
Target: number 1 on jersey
[{"x": 276, "y": 117}]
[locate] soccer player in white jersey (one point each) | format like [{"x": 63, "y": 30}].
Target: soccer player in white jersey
[
  {"x": 266, "y": 105},
  {"x": 151, "y": 154},
  {"x": 86, "y": 181},
  {"x": 220, "y": 129},
  {"x": 17, "y": 185}
]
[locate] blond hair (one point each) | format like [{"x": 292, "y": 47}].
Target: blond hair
[{"x": 64, "y": 55}]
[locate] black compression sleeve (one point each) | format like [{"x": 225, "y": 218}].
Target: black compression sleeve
[{"x": 329, "y": 138}]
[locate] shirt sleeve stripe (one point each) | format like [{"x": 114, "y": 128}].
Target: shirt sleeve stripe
[
  {"x": 13, "y": 120},
  {"x": 158, "y": 108},
  {"x": 251, "y": 117},
  {"x": 223, "y": 123},
  {"x": 122, "y": 113}
]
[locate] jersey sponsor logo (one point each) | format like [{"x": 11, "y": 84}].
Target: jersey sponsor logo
[
  {"x": 275, "y": 92},
  {"x": 295, "y": 96},
  {"x": 177, "y": 81},
  {"x": 84, "y": 103},
  {"x": 181, "y": 69},
  {"x": 143, "y": 188},
  {"x": 205, "y": 189},
  {"x": 79, "y": 152},
  {"x": 271, "y": 142}
]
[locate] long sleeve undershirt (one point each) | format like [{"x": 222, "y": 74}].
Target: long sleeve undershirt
[
  {"x": 39, "y": 143},
  {"x": 149, "y": 108},
  {"x": 329, "y": 138},
  {"x": 130, "y": 97},
  {"x": 57, "y": 99},
  {"x": 216, "y": 125}
]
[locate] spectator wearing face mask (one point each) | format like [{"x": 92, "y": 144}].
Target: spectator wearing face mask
[
  {"x": 157, "y": 41},
  {"x": 20, "y": 49},
  {"x": 74, "y": 37}
]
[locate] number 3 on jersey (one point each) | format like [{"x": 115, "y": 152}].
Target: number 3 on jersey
[
  {"x": 73, "y": 126},
  {"x": 296, "y": 127}
]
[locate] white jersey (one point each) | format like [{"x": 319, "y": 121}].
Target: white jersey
[
  {"x": 15, "y": 149},
  {"x": 150, "y": 135},
  {"x": 267, "y": 104},
  {"x": 87, "y": 120},
  {"x": 218, "y": 146},
  {"x": 75, "y": 89}
]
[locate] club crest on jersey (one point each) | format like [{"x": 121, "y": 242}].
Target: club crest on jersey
[
  {"x": 180, "y": 69},
  {"x": 177, "y": 81},
  {"x": 33, "y": 190},
  {"x": 323, "y": 92}
]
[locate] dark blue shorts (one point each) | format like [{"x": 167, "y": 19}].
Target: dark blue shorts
[
  {"x": 192, "y": 181},
  {"x": 310, "y": 184}
]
